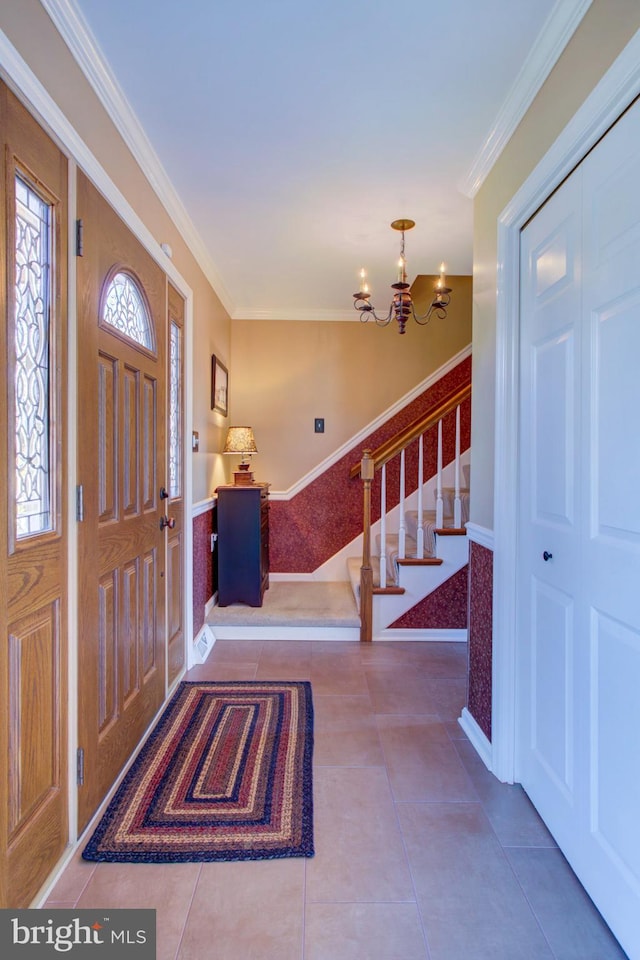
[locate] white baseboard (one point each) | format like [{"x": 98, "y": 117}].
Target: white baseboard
[
  {"x": 441, "y": 636},
  {"x": 244, "y": 632},
  {"x": 239, "y": 632},
  {"x": 210, "y": 604},
  {"x": 284, "y": 577},
  {"x": 478, "y": 738}
]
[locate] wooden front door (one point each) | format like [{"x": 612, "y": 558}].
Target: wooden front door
[
  {"x": 122, "y": 337},
  {"x": 175, "y": 489},
  {"x": 33, "y": 521}
]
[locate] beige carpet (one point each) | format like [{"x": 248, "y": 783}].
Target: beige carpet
[{"x": 295, "y": 604}]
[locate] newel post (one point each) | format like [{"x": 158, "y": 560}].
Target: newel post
[{"x": 367, "y": 470}]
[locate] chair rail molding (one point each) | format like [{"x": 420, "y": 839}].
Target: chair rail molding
[{"x": 481, "y": 535}]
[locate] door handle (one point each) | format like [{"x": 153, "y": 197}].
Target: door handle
[
  {"x": 547, "y": 556},
  {"x": 163, "y": 493},
  {"x": 167, "y": 522}
]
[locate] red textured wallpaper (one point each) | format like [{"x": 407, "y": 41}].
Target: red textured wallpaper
[
  {"x": 444, "y": 609},
  {"x": 310, "y": 527},
  {"x": 203, "y": 566},
  {"x": 480, "y": 635}
]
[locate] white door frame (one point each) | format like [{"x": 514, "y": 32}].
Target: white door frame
[{"x": 613, "y": 94}]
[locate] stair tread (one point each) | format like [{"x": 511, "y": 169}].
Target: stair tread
[{"x": 419, "y": 561}]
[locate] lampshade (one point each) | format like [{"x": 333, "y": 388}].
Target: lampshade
[{"x": 240, "y": 440}]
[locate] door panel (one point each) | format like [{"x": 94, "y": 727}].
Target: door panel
[
  {"x": 615, "y": 334},
  {"x": 550, "y": 508},
  {"x": 554, "y": 413},
  {"x": 121, "y": 466},
  {"x": 552, "y": 685},
  {"x": 33, "y": 522},
  {"x": 579, "y": 615},
  {"x": 175, "y": 500}
]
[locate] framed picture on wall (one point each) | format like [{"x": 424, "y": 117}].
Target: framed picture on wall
[{"x": 219, "y": 386}]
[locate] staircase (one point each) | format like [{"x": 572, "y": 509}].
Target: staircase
[{"x": 414, "y": 550}]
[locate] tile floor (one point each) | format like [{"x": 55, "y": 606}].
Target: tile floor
[{"x": 420, "y": 853}]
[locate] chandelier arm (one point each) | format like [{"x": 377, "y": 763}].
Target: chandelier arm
[
  {"x": 424, "y": 319},
  {"x": 366, "y": 310},
  {"x": 380, "y": 321},
  {"x": 438, "y": 306}
]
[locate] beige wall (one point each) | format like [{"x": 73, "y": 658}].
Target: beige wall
[
  {"x": 31, "y": 32},
  {"x": 605, "y": 30},
  {"x": 284, "y": 374}
]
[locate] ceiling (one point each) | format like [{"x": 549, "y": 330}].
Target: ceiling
[{"x": 288, "y": 134}]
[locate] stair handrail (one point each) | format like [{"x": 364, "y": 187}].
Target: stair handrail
[
  {"x": 375, "y": 460},
  {"x": 392, "y": 447}
]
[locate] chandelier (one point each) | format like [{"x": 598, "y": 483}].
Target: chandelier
[{"x": 402, "y": 306}]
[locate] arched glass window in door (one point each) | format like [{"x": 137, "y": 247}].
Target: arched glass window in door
[{"x": 124, "y": 307}]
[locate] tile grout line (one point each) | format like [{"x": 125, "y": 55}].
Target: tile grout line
[{"x": 187, "y": 912}]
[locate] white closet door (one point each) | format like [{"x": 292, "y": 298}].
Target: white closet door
[
  {"x": 610, "y": 464},
  {"x": 579, "y": 611},
  {"x": 550, "y": 517}
]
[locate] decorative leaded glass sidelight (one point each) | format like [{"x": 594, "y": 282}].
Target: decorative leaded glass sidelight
[
  {"x": 125, "y": 308},
  {"x": 33, "y": 467},
  {"x": 175, "y": 410}
]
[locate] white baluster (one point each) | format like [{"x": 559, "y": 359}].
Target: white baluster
[
  {"x": 420, "y": 528},
  {"x": 383, "y": 526},
  {"x": 439, "y": 501},
  {"x": 457, "y": 502},
  {"x": 402, "y": 529}
]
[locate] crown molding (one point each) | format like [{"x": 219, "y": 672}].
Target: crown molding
[
  {"x": 286, "y": 313},
  {"x": 558, "y": 29},
  {"x": 18, "y": 75},
  {"x": 76, "y": 33}
]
